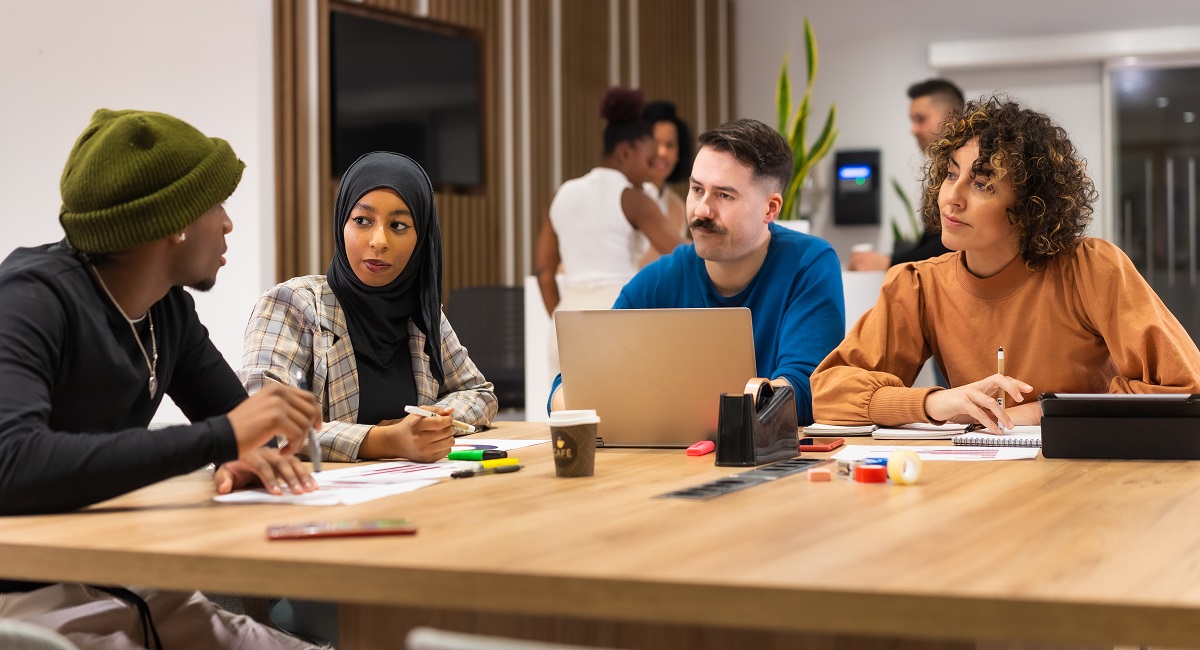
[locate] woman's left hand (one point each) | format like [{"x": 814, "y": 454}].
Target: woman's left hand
[{"x": 276, "y": 472}]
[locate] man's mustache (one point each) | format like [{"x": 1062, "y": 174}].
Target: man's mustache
[{"x": 707, "y": 225}]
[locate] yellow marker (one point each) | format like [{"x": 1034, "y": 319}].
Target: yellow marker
[{"x": 498, "y": 462}]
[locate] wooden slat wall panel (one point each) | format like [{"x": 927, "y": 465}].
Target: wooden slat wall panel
[
  {"x": 541, "y": 135},
  {"x": 585, "y": 43},
  {"x": 287, "y": 243},
  {"x": 668, "y": 68},
  {"x": 667, "y": 43},
  {"x": 715, "y": 30},
  {"x": 473, "y": 224}
]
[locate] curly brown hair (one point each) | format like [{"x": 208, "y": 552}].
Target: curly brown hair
[{"x": 1052, "y": 193}]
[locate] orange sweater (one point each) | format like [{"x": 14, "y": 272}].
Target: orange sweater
[{"x": 1087, "y": 323}]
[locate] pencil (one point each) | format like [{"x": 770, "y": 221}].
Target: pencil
[{"x": 1000, "y": 371}]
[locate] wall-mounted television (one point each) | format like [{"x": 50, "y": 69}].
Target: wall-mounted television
[{"x": 409, "y": 86}]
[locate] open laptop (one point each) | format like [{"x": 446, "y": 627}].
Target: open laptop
[{"x": 654, "y": 376}]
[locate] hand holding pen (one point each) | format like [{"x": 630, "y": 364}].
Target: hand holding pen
[
  {"x": 976, "y": 402},
  {"x": 461, "y": 426},
  {"x": 314, "y": 445}
]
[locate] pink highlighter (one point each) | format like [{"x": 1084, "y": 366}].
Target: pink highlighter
[{"x": 701, "y": 448}]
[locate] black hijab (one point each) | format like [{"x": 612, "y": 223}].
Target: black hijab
[{"x": 377, "y": 316}]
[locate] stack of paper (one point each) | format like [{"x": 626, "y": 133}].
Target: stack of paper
[
  {"x": 920, "y": 431},
  {"x": 818, "y": 429}
]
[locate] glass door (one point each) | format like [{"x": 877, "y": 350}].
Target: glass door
[{"x": 1157, "y": 147}]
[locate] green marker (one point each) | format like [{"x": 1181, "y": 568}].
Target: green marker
[{"x": 478, "y": 454}]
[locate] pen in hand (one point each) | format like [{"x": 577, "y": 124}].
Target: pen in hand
[
  {"x": 461, "y": 426},
  {"x": 313, "y": 445}
]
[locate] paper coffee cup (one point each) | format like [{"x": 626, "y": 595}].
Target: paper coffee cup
[{"x": 573, "y": 442}]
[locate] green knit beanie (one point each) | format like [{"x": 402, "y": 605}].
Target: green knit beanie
[{"x": 136, "y": 176}]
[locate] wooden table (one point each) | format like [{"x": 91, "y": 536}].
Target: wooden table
[{"x": 1069, "y": 552}]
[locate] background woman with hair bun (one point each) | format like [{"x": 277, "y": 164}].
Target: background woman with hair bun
[{"x": 598, "y": 223}]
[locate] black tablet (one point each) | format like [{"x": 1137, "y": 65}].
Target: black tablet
[
  {"x": 1131, "y": 427},
  {"x": 1100, "y": 405}
]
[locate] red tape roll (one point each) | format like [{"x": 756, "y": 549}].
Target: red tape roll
[{"x": 871, "y": 474}]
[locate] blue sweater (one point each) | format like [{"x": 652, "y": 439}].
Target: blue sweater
[{"x": 795, "y": 302}]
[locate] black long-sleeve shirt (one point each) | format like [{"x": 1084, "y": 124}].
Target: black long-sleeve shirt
[
  {"x": 929, "y": 245},
  {"x": 74, "y": 401}
]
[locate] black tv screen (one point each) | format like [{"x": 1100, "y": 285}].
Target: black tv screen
[{"x": 410, "y": 89}]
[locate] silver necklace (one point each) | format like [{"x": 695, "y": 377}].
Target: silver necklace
[{"x": 152, "y": 366}]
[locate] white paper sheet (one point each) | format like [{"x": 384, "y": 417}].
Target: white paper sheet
[
  {"x": 333, "y": 496},
  {"x": 358, "y": 484},
  {"x": 947, "y": 452},
  {"x": 471, "y": 442}
]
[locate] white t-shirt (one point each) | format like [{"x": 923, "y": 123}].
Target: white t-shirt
[{"x": 596, "y": 242}]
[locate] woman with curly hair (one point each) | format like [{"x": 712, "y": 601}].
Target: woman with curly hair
[{"x": 1012, "y": 198}]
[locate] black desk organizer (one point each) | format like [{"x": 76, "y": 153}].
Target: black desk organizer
[
  {"x": 1164, "y": 427},
  {"x": 757, "y": 428},
  {"x": 1121, "y": 438}
]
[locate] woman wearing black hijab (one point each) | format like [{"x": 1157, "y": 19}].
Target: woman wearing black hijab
[{"x": 360, "y": 335}]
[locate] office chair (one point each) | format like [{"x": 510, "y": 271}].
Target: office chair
[
  {"x": 19, "y": 635},
  {"x": 490, "y": 322}
]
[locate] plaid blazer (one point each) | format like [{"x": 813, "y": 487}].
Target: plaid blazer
[{"x": 298, "y": 326}]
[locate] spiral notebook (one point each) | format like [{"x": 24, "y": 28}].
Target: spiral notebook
[{"x": 1022, "y": 436}]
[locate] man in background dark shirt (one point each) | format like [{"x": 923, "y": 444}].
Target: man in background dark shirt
[
  {"x": 94, "y": 330},
  {"x": 931, "y": 103}
]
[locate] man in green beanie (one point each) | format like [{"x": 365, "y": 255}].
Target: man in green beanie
[{"x": 94, "y": 331}]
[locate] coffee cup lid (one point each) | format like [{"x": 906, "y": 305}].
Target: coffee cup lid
[{"x": 573, "y": 417}]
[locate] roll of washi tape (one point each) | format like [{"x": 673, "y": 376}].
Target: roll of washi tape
[
  {"x": 904, "y": 467},
  {"x": 845, "y": 468},
  {"x": 870, "y": 474}
]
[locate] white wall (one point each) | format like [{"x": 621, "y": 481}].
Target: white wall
[
  {"x": 207, "y": 62},
  {"x": 871, "y": 51}
]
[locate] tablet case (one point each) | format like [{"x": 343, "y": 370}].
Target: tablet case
[
  {"x": 1132, "y": 427},
  {"x": 758, "y": 426}
]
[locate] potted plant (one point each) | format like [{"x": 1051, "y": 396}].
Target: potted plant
[
  {"x": 792, "y": 124},
  {"x": 905, "y": 235}
]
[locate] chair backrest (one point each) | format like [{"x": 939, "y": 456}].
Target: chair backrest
[
  {"x": 490, "y": 322},
  {"x": 19, "y": 635}
]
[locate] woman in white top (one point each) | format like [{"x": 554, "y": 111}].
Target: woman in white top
[{"x": 596, "y": 222}]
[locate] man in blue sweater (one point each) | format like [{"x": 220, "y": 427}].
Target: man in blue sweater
[{"x": 791, "y": 282}]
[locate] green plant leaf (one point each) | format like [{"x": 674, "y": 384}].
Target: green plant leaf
[
  {"x": 796, "y": 137},
  {"x": 810, "y": 52},
  {"x": 790, "y": 196},
  {"x": 903, "y": 195},
  {"x": 824, "y": 142},
  {"x": 783, "y": 96},
  {"x": 794, "y": 126},
  {"x": 917, "y": 228}
]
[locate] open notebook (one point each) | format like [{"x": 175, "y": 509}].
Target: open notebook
[{"x": 1022, "y": 436}]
